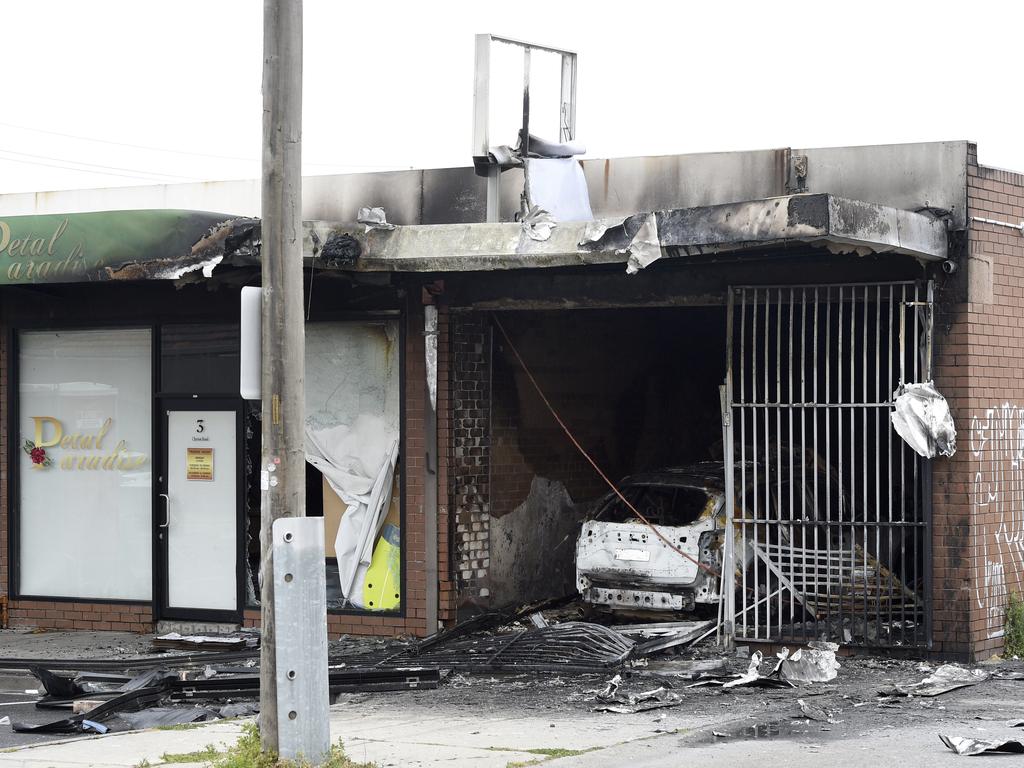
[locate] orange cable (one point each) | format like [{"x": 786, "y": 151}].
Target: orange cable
[{"x": 586, "y": 455}]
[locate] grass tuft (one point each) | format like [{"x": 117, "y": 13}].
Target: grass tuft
[
  {"x": 202, "y": 756},
  {"x": 1013, "y": 641},
  {"x": 246, "y": 754}
]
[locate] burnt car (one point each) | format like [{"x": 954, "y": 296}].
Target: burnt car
[{"x": 622, "y": 565}]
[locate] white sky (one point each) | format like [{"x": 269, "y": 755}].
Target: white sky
[{"x": 144, "y": 92}]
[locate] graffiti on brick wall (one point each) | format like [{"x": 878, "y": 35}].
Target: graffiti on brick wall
[{"x": 997, "y": 508}]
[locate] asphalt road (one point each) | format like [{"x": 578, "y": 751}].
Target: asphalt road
[{"x": 19, "y": 706}]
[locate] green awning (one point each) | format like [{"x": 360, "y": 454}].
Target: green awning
[{"x": 115, "y": 245}]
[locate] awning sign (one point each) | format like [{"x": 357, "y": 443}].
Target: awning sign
[{"x": 199, "y": 464}]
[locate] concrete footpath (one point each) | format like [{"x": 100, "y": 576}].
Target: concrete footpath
[
  {"x": 403, "y": 735},
  {"x": 397, "y": 735}
]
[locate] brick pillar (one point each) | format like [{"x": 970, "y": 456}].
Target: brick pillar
[{"x": 469, "y": 470}]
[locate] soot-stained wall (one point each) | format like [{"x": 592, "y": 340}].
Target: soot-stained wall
[{"x": 638, "y": 388}]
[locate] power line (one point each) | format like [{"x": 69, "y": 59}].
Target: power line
[
  {"x": 125, "y": 144},
  {"x": 187, "y": 153},
  {"x": 96, "y": 170}
]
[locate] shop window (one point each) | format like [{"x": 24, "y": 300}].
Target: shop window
[
  {"x": 84, "y": 501},
  {"x": 352, "y": 444},
  {"x": 199, "y": 358}
]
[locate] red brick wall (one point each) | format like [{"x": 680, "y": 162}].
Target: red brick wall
[
  {"x": 978, "y": 540},
  {"x": 994, "y": 441},
  {"x": 445, "y": 530}
]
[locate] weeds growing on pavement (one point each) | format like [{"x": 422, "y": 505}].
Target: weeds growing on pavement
[
  {"x": 1013, "y": 641},
  {"x": 246, "y": 754}
]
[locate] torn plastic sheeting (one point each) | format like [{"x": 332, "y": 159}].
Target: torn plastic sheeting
[
  {"x": 948, "y": 677},
  {"x": 921, "y": 417},
  {"x": 965, "y": 746},
  {"x": 430, "y": 351},
  {"x": 359, "y": 464},
  {"x": 374, "y": 218},
  {"x": 645, "y": 247},
  {"x": 558, "y": 186},
  {"x": 538, "y": 223},
  {"x": 814, "y": 664}
]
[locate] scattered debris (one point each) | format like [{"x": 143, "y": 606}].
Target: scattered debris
[
  {"x": 664, "y": 635},
  {"x": 814, "y": 664},
  {"x": 373, "y": 218},
  {"x": 814, "y": 712},
  {"x": 573, "y": 646},
  {"x": 752, "y": 677},
  {"x": 155, "y": 717},
  {"x": 630, "y": 704},
  {"x": 1009, "y": 675},
  {"x": 176, "y": 641},
  {"x": 538, "y": 620},
  {"x": 966, "y": 746},
  {"x": 921, "y": 417},
  {"x": 948, "y": 677}
]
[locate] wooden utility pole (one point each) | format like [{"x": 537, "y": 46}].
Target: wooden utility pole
[{"x": 283, "y": 469}]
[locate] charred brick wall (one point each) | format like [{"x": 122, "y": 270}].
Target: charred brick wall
[
  {"x": 469, "y": 356},
  {"x": 978, "y": 539}
]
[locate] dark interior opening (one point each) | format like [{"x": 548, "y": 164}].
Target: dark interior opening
[{"x": 660, "y": 504}]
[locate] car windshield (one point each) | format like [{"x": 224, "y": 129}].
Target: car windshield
[{"x": 660, "y": 504}]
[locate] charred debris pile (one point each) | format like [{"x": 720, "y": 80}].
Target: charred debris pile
[{"x": 206, "y": 678}]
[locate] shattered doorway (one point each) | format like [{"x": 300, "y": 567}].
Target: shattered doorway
[{"x": 831, "y": 507}]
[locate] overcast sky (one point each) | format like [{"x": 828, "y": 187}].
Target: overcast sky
[{"x": 110, "y": 93}]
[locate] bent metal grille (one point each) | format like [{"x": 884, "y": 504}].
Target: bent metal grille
[{"x": 831, "y": 509}]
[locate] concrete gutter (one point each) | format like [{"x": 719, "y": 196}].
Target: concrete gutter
[{"x": 837, "y": 224}]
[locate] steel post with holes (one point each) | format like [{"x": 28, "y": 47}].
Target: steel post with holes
[{"x": 300, "y": 607}]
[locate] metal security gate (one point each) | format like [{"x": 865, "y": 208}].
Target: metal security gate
[{"x": 831, "y": 509}]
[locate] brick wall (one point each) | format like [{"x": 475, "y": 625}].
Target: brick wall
[
  {"x": 994, "y": 441},
  {"x": 978, "y": 538},
  {"x": 469, "y": 347},
  {"x": 445, "y": 531}
]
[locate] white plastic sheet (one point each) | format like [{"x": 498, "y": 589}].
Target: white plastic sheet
[
  {"x": 359, "y": 464},
  {"x": 921, "y": 417},
  {"x": 558, "y": 185},
  {"x": 352, "y": 432}
]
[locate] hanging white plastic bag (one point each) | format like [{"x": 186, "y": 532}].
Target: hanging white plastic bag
[{"x": 921, "y": 417}]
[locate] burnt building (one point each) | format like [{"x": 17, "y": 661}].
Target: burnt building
[{"x": 757, "y": 310}]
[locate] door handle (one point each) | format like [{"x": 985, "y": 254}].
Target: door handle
[{"x": 167, "y": 510}]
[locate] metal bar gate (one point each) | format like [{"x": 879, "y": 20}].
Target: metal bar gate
[{"x": 831, "y": 509}]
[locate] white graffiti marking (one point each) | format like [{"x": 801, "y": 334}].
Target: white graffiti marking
[{"x": 997, "y": 507}]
